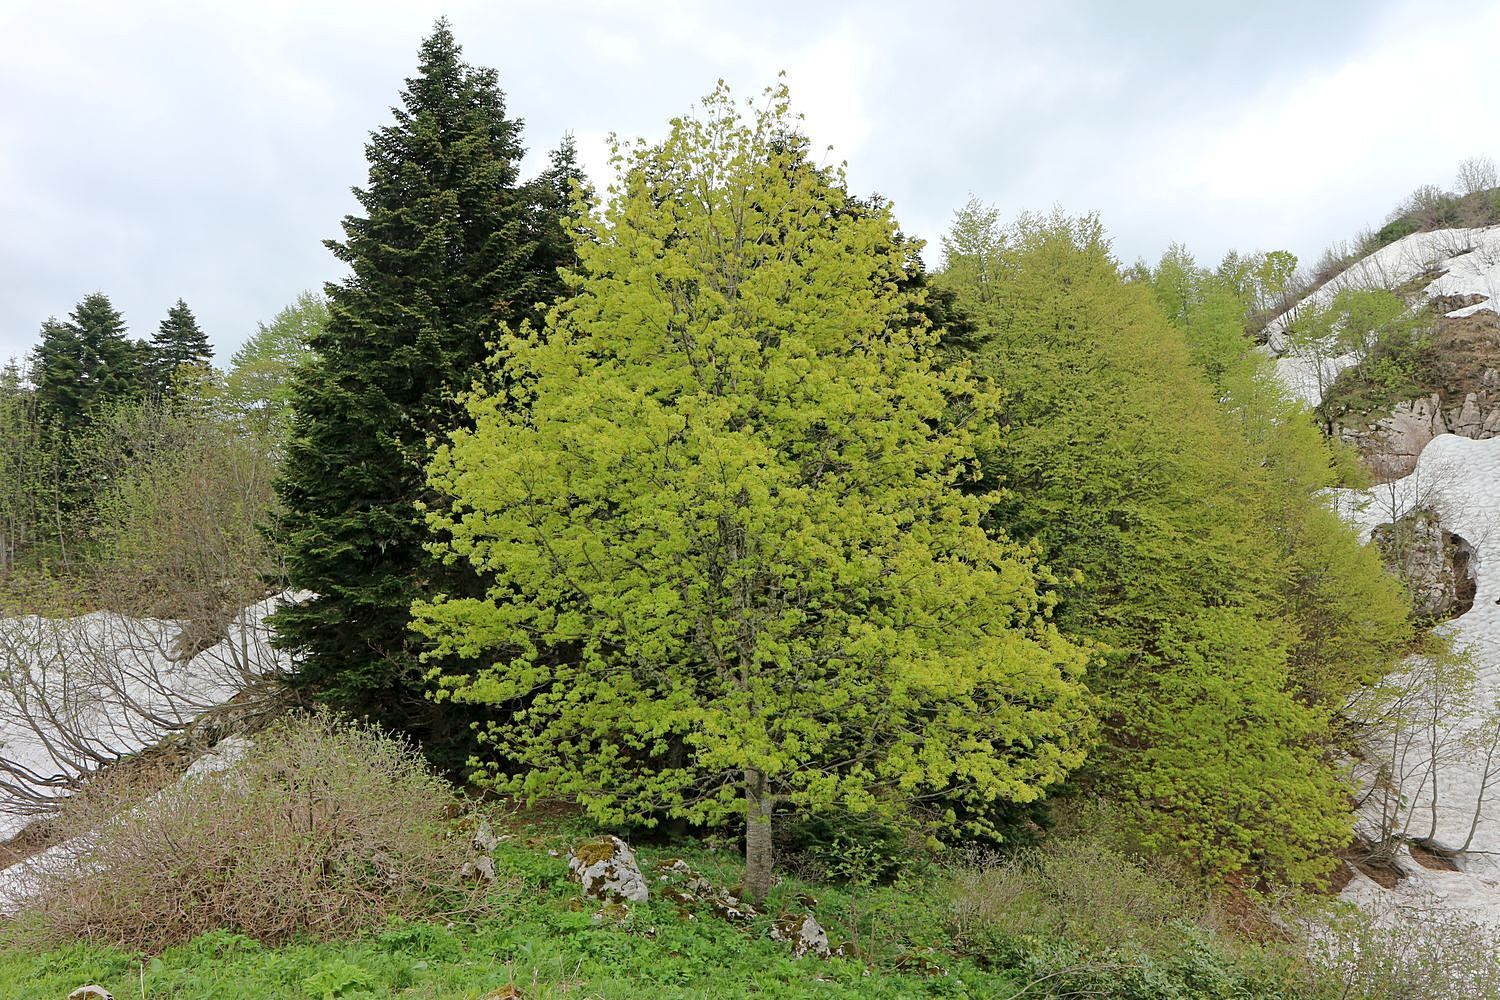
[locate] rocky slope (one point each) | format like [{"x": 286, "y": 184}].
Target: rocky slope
[{"x": 1432, "y": 784}]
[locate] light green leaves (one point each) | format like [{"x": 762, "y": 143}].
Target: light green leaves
[{"x": 723, "y": 517}]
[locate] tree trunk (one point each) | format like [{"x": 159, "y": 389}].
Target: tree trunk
[{"x": 758, "y": 851}]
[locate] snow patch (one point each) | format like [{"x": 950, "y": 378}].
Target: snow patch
[
  {"x": 1458, "y": 479},
  {"x": 77, "y": 693}
]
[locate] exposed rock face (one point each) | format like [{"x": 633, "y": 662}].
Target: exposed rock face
[
  {"x": 803, "y": 933},
  {"x": 1390, "y": 446},
  {"x": 1433, "y": 563},
  {"x": 91, "y": 992},
  {"x": 607, "y": 870}
]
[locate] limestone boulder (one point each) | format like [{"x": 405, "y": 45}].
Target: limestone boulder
[
  {"x": 607, "y": 870},
  {"x": 803, "y": 932}
]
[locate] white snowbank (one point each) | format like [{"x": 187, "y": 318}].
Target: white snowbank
[
  {"x": 92, "y": 688},
  {"x": 1459, "y": 479}
]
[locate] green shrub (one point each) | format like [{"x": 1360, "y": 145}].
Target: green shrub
[
  {"x": 323, "y": 829},
  {"x": 845, "y": 847},
  {"x": 1078, "y": 890},
  {"x": 1394, "y": 230}
]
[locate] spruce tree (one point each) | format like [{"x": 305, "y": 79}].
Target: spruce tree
[
  {"x": 85, "y": 364},
  {"x": 178, "y": 341},
  {"x": 442, "y": 257},
  {"x": 57, "y": 373}
]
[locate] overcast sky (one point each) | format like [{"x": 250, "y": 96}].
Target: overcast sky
[{"x": 156, "y": 150}]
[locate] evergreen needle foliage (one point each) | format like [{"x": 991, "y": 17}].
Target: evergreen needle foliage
[
  {"x": 717, "y": 507},
  {"x": 178, "y": 342},
  {"x": 449, "y": 250}
]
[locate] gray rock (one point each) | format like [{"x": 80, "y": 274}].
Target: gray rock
[
  {"x": 1391, "y": 446},
  {"x": 607, "y": 870},
  {"x": 484, "y": 840},
  {"x": 803, "y": 933},
  {"x": 1434, "y": 564},
  {"x": 1469, "y": 421},
  {"x": 91, "y": 992}
]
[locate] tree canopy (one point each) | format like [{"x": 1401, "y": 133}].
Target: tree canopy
[
  {"x": 717, "y": 507},
  {"x": 1172, "y": 488},
  {"x": 445, "y": 255}
]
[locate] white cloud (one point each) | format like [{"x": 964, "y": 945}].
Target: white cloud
[{"x": 166, "y": 147}]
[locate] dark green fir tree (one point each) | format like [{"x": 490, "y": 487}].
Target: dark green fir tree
[
  {"x": 85, "y": 364},
  {"x": 447, "y": 250},
  {"x": 178, "y": 341}
]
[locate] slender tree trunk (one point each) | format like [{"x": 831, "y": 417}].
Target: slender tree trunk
[{"x": 759, "y": 853}]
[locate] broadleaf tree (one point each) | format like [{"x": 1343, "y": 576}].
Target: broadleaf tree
[
  {"x": 717, "y": 505},
  {"x": 1175, "y": 494}
]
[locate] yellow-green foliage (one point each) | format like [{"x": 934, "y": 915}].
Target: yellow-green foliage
[
  {"x": 1155, "y": 470},
  {"x": 717, "y": 510}
]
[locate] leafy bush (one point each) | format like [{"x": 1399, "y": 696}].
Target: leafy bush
[
  {"x": 1079, "y": 890},
  {"x": 324, "y": 829},
  {"x": 1399, "y": 366},
  {"x": 1395, "y": 230},
  {"x": 1081, "y": 917},
  {"x": 845, "y": 847}
]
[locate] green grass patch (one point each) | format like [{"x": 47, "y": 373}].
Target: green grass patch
[{"x": 905, "y": 939}]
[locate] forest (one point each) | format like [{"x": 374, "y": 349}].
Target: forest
[{"x": 987, "y": 592}]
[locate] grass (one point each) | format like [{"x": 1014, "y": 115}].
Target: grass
[{"x": 537, "y": 939}]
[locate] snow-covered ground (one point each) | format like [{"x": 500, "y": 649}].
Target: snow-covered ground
[
  {"x": 76, "y": 692},
  {"x": 19, "y": 880},
  {"x": 1463, "y": 262},
  {"x": 1459, "y": 479}
]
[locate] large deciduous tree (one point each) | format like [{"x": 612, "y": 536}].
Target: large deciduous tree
[
  {"x": 1175, "y": 495},
  {"x": 444, "y": 255},
  {"x": 717, "y": 504}
]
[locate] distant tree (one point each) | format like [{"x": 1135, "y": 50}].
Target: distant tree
[
  {"x": 57, "y": 373},
  {"x": 716, "y": 507},
  {"x": 29, "y": 476},
  {"x": 85, "y": 364},
  {"x": 177, "y": 342},
  {"x": 445, "y": 255},
  {"x": 549, "y": 201},
  {"x": 260, "y": 384},
  {"x": 1477, "y": 174}
]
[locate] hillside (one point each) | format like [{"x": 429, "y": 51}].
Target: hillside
[
  {"x": 1439, "y": 455},
  {"x": 668, "y": 584}
]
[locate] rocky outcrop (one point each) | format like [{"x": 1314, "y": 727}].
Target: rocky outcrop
[
  {"x": 1390, "y": 445},
  {"x": 691, "y": 892},
  {"x": 93, "y": 991},
  {"x": 803, "y": 933},
  {"x": 483, "y": 842},
  {"x": 1433, "y": 563},
  {"x": 607, "y": 870}
]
